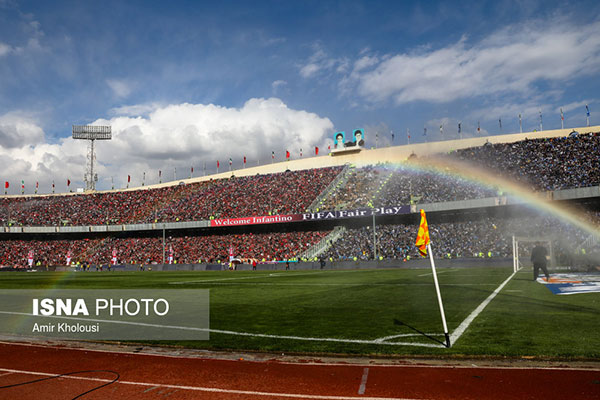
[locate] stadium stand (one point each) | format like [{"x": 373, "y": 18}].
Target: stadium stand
[
  {"x": 487, "y": 237},
  {"x": 283, "y": 193},
  {"x": 542, "y": 164},
  {"x": 187, "y": 249}
]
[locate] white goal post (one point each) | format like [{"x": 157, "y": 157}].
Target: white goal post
[{"x": 517, "y": 257}]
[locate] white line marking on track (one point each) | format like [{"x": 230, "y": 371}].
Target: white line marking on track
[
  {"x": 363, "y": 381},
  {"x": 8, "y": 373},
  {"x": 211, "y": 389},
  {"x": 465, "y": 324}
]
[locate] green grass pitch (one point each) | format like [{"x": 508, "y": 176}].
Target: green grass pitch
[{"x": 353, "y": 309}]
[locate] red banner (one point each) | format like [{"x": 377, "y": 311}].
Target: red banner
[{"x": 270, "y": 219}]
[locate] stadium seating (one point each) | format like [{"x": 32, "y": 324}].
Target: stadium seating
[
  {"x": 542, "y": 164},
  {"x": 283, "y": 193},
  {"x": 186, "y": 249}
]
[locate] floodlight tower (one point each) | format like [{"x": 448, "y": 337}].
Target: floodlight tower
[{"x": 91, "y": 133}]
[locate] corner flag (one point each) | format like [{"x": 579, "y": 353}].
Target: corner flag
[
  {"x": 423, "y": 235},
  {"x": 424, "y": 244}
]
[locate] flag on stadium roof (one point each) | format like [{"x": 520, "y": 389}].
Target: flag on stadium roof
[
  {"x": 423, "y": 235},
  {"x": 287, "y": 154},
  {"x": 316, "y": 151}
]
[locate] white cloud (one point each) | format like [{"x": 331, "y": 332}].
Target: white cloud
[
  {"x": 319, "y": 62},
  {"x": 579, "y": 106},
  {"x": 512, "y": 60},
  {"x": 119, "y": 87},
  {"x": 278, "y": 84},
  {"x": 180, "y": 135},
  {"x": 309, "y": 70},
  {"x": 17, "y": 131},
  {"x": 135, "y": 110},
  {"x": 4, "y": 49}
]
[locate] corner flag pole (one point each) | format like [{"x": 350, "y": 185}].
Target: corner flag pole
[
  {"x": 424, "y": 244},
  {"x": 439, "y": 295}
]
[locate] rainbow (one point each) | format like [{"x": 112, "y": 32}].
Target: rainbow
[{"x": 445, "y": 167}]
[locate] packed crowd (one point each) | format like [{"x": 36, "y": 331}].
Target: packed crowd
[
  {"x": 488, "y": 237},
  {"x": 83, "y": 209},
  {"x": 282, "y": 193},
  {"x": 542, "y": 164},
  {"x": 539, "y": 164},
  {"x": 186, "y": 249},
  {"x": 485, "y": 237}
]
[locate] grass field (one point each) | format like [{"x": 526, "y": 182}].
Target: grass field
[{"x": 353, "y": 312}]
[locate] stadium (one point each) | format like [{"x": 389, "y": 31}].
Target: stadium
[
  {"x": 328, "y": 265},
  {"x": 217, "y": 200}
]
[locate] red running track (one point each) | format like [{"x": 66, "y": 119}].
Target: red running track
[{"x": 173, "y": 377}]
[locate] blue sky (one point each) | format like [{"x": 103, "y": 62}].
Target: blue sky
[{"x": 189, "y": 82}]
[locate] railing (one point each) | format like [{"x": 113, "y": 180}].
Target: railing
[
  {"x": 324, "y": 244},
  {"x": 339, "y": 180}
]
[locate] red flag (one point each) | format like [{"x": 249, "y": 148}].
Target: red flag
[
  {"x": 316, "y": 151},
  {"x": 217, "y": 163},
  {"x": 128, "y": 178},
  {"x": 287, "y": 154},
  {"x": 329, "y": 147},
  {"x": 6, "y": 185},
  {"x": 244, "y": 159},
  {"x": 68, "y": 182},
  {"x": 192, "y": 170}
]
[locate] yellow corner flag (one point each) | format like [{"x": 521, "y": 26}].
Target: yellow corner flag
[{"x": 423, "y": 235}]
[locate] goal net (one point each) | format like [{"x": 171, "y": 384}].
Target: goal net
[{"x": 522, "y": 247}]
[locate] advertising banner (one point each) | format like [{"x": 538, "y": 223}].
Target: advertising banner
[{"x": 317, "y": 216}]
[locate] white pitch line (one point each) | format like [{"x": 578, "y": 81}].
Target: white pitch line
[
  {"x": 225, "y": 332},
  {"x": 438, "y": 272},
  {"x": 209, "y": 389},
  {"x": 363, "y": 381},
  {"x": 465, "y": 324},
  {"x": 337, "y": 284}
]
